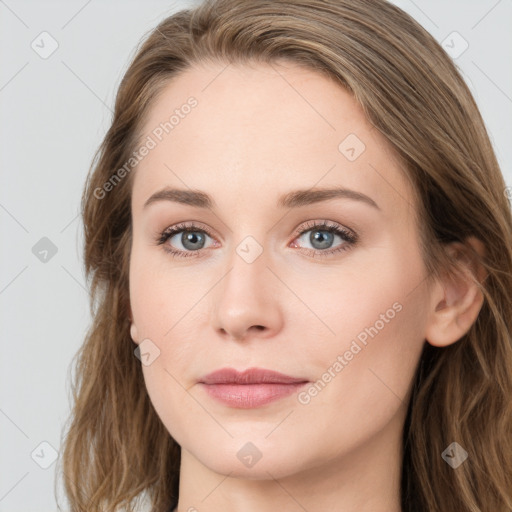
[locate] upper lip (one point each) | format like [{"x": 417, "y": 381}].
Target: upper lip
[{"x": 249, "y": 376}]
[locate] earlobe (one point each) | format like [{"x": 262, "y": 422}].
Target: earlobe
[
  {"x": 134, "y": 333},
  {"x": 457, "y": 299}
]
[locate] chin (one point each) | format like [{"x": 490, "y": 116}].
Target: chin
[{"x": 252, "y": 460}]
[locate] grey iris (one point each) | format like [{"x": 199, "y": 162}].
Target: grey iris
[
  {"x": 189, "y": 239},
  {"x": 323, "y": 238}
]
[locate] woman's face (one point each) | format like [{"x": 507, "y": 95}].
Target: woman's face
[{"x": 328, "y": 288}]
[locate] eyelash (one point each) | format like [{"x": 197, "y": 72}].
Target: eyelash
[{"x": 349, "y": 237}]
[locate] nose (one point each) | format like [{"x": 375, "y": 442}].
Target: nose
[{"x": 246, "y": 301}]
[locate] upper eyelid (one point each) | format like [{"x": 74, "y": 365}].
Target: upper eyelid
[{"x": 302, "y": 228}]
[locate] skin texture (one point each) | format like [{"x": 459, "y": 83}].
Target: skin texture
[{"x": 259, "y": 132}]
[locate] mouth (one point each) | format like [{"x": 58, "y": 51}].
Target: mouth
[{"x": 251, "y": 388}]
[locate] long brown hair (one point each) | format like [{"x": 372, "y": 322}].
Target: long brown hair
[{"x": 116, "y": 449}]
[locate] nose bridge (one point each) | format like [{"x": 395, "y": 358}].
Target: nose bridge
[
  {"x": 247, "y": 279},
  {"x": 246, "y": 296}
]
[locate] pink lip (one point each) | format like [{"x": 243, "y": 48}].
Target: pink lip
[{"x": 252, "y": 388}]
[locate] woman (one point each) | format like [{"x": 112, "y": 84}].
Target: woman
[{"x": 301, "y": 259}]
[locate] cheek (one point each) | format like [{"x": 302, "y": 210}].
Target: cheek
[
  {"x": 162, "y": 303},
  {"x": 375, "y": 303},
  {"x": 364, "y": 371},
  {"x": 162, "y": 314},
  {"x": 158, "y": 296},
  {"x": 362, "y": 376},
  {"x": 372, "y": 330}
]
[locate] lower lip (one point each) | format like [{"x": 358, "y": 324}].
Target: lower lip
[{"x": 249, "y": 396}]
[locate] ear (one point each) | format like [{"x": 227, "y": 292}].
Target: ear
[{"x": 456, "y": 298}]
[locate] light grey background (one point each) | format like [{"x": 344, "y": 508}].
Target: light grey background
[{"x": 54, "y": 113}]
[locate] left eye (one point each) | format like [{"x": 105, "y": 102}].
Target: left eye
[
  {"x": 322, "y": 235},
  {"x": 322, "y": 238}
]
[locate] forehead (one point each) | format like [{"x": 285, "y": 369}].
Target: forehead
[{"x": 232, "y": 128}]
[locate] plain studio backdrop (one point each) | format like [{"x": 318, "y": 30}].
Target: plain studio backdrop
[{"x": 62, "y": 62}]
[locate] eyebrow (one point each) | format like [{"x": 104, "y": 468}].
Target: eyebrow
[{"x": 294, "y": 199}]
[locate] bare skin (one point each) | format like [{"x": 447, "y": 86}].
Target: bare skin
[{"x": 257, "y": 133}]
